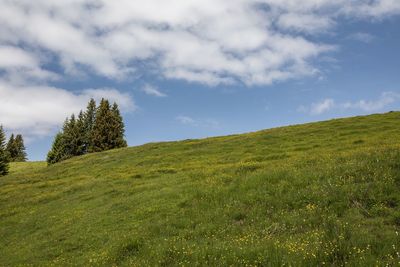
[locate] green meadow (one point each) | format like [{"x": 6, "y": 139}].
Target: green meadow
[{"x": 318, "y": 194}]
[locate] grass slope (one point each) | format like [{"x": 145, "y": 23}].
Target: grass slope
[{"x": 317, "y": 194}]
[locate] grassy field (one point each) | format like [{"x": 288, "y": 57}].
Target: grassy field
[{"x": 318, "y": 194}]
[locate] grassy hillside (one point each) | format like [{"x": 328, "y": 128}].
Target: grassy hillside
[{"x": 317, "y": 194}]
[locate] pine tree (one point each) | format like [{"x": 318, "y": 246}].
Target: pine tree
[
  {"x": 57, "y": 152},
  {"x": 70, "y": 141},
  {"x": 20, "y": 155},
  {"x": 63, "y": 143},
  {"x": 108, "y": 130},
  {"x": 69, "y": 137},
  {"x": 80, "y": 135},
  {"x": 98, "y": 129},
  {"x": 118, "y": 128},
  {"x": 101, "y": 133},
  {"x": 89, "y": 120},
  {"x": 74, "y": 136},
  {"x": 3, "y": 155},
  {"x": 10, "y": 148}
]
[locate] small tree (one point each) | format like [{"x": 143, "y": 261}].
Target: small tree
[
  {"x": 57, "y": 152},
  {"x": 16, "y": 149},
  {"x": 3, "y": 154},
  {"x": 118, "y": 128},
  {"x": 61, "y": 148},
  {"x": 10, "y": 148},
  {"x": 101, "y": 133},
  {"x": 69, "y": 137},
  {"x": 80, "y": 135},
  {"x": 89, "y": 121},
  {"x": 20, "y": 155}
]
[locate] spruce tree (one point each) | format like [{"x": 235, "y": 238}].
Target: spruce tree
[
  {"x": 101, "y": 133},
  {"x": 20, "y": 155},
  {"x": 108, "y": 131},
  {"x": 89, "y": 120},
  {"x": 80, "y": 135},
  {"x": 57, "y": 152},
  {"x": 3, "y": 155},
  {"x": 98, "y": 129},
  {"x": 118, "y": 128},
  {"x": 69, "y": 137},
  {"x": 10, "y": 148},
  {"x": 63, "y": 144},
  {"x": 70, "y": 141}
]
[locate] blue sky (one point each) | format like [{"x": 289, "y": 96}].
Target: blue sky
[{"x": 192, "y": 69}]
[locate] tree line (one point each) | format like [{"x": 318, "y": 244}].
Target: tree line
[
  {"x": 12, "y": 151},
  {"x": 97, "y": 129}
]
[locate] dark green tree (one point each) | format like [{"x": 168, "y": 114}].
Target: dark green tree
[
  {"x": 69, "y": 137},
  {"x": 118, "y": 128},
  {"x": 10, "y": 148},
  {"x": 3, "y": 154},
  {"x": 98, "y": 129},
  {"x": 89, "y": 120},
  {"x": 63, "y": 144},
  {"x": 20, "y": 155},
  {"x": 101, "y": 133},
  {"x": 80, "y": 135},
  {"x": 57, "y": 152}
]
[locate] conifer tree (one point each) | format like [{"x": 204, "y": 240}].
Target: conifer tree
[
  {"x": 89, "y": 120},
  {"x": 60, "y": 149},
  {"x": 10, "y": 148},
  {"x": 69, "y": 137},
  {"x": 3, "y": 155},
  {"x": 20, "y": 155},
  {"x": 118, "y": 128},
  {"x": 16, "y": 149},
  {"x": 98, "y": 129},
  {"x": 57, "y": 152},
  {"x": 101, "y": 133},
  {"x": 80, "y": 135}
]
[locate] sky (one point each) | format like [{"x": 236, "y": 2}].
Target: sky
[{"x": 183, "y": 69}]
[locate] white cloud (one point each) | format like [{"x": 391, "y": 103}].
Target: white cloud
[
  {"x": 318, "y": 108},
  {"x": 207, "y": 41},
  {"x": 386, "y": 99},
  {"x": 13, "y": 57},
  {"x": 323, "y": 106},
  {"x": 380, "y": 104},
  {"x": 152, "y": 90},
  {"x": 20, "y": 66},
  {"x": 39, "y": 110}
]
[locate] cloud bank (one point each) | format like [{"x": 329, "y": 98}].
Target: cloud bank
[
  {"x": 207, "y": 41},
  {"x": 254, "y": 42}
]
